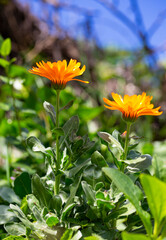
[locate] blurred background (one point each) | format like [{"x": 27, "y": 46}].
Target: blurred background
[{"x": 122, "y": 44}]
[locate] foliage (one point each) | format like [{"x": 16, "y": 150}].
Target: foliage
[{"x": 106, "y": 191}]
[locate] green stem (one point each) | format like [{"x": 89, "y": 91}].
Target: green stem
[
  {"x": 8, "y": 165},
  {"x": 58, "y": 162},
  {"x": 123, "y": 166},
  {"x": 157, "y": 229},
  {"x": 126, "y": 146},
  {"x": 127, "y": 141}
]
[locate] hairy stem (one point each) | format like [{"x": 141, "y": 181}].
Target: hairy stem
[
  {"x": 58, "y": 161},
  {"x": 126, "y": 146},
  {"x": 127, "y": 141}
]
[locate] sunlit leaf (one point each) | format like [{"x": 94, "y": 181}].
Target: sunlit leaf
[
  {"x": 131, "y": 236},
  {"x": 132, "y": 192},
  {"x": 6, "y": 47},
  {"x": 155, "y": 191}
]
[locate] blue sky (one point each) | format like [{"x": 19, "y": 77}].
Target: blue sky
[{"x": 108, "y": 29}]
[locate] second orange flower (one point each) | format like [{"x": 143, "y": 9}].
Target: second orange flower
[{"x": 132, "y": 107}]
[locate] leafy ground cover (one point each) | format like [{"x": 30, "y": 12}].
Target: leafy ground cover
[{"x": 63, "y": 180}]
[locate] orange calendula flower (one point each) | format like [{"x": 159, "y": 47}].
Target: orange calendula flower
[
  {"x": 132, "y": 107},
  {"x": 58, "y": 72}
]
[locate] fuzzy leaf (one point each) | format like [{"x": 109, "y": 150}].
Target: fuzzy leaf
[
  {"x": 19, "y": 214},
  {"x": 70, "y": 127},
  {"x": 50, "y": 110},
  {"x": 5, "y": 214},
  {"x": 7, "y": 194},
  {"x": 110, "y": 139},
  {"x": 15, "y": 228},
  {"x": 35, "y": 144}
]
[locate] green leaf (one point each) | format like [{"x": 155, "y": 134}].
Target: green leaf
[
  {"x": 70, "y": 127},
  {"x": 98, "y": 159},
  {"x": 4, "y": 79},
  {"x": 19, "y": 214},
  {"x": 52, "y": 219},
  {"x": 110, "y": 139},
  {"x": 22, "y": 185},
  {"x": 90, "y": 195},
  {"x": 6, "y": 47},
  {"x": 40, "y": 192},
  {"x": 50, "y": 110},
  {"x": 94, "y": 237},
  {"x": 14, "y": 238},
  {"x": 131, "y": 236},
  {"x": 56, "y": 203},
  {"x": 4, "y": 63},
  {"x": 132, "y": 192},
  {"x": 139, "y": 164},
  {"x": 58, "y": 131},
  {"x": 7, "y": 194},
  {"x": 35, "y": 144},
  {"x": 15, "y": 228},
  {"x": 67, "y": 235},
  {"x": 73, "y": 190},
  {"x": 5, "y": 106},
  {"x": 5, "y": 214},
  {"x": 99, "y": 185},
  {"x": 155, "y": 191},
  {"x": 159, "y": 165},
  {"x": 77, "y": 236},
  {"x": 32, "y": 201},
  {"x": 74, "y": 170},
  {"x": 67, "y": 210}
]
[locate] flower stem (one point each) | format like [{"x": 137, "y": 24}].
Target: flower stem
[
  {"x": 126, "y": 141},
  {"x": 57, "y": 177},
  {"x": 126, "y": 146},
  {"x": 8, "y": 165}
]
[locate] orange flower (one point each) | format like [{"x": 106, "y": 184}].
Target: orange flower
[
  {"x": 58, "y": 72},
  {"x": 132, "y": 107}
]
